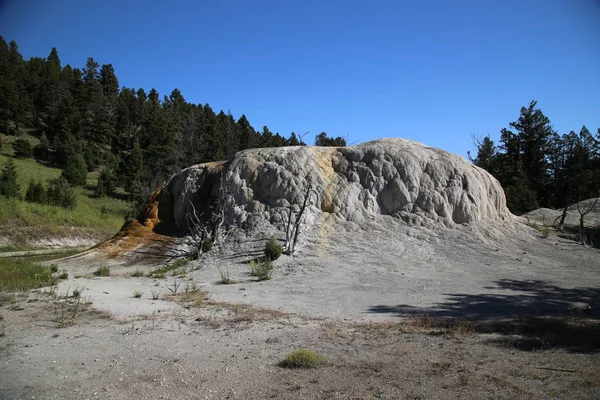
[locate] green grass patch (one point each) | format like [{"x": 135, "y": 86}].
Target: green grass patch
[
  {"x": 29, "y": 169},
  {"x": 22, "y": 274},
  {"x": 303, "y": 358}
]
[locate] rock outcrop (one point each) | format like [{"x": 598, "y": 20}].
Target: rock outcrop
[{"x": 403, "y": 179}]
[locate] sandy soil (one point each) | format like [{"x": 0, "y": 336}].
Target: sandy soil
[{"x": 399, "y": 313}]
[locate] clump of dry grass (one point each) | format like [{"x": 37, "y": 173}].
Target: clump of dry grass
[{"x": 303, "y": 358}]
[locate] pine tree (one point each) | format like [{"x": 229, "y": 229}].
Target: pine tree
[
  {"x": 75, "y": 171},
  {"x": 323, "y": 140},
  {"x": 533, "y": 134},
  {"x": 486, "y": 154},
  {"x": 106, "y": 183},
  {"x": 293, "y": 140},
  {"x": 61, "y": 194},
  {"x": 108, "y": 81},
  {"x": 245, "y": 133},
  {"x": 132, "y": 171},
  {"x": 9, "y": 187},
  {"x": 22, "y": 148},
  {"x": 36, "y": 193}
]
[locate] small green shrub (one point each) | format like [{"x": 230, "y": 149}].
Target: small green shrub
[
  {"x": 261, "y": 269},
  {"x": 207, "y": 245},
  {"x": 102, "y": 271},
  {"x": 137, "y": 274},
  {"x": 273, "y": 249},
  {"x": 137, "y": 294},
  {"x": 303, "y": 358},
  {"x": 36, "y": 192}
]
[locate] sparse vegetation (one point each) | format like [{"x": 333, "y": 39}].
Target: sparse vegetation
[
  {"x": 155, "y": 294},
  {"x": 137, "y": 274},
  {"x": 193, "y": 297},
  {"x": 102, "y": 271},
  {"x": 180, "y": 262},
  {"x": 76, "y": 292},
  {"x": 273, "y": 249},
  {"x": 263, "y": 270},
  {"x": 225, "y": 278},
  {"x": 160, "y": 273},
  {"x": 174, "y": 287},
  {"x": 69, "y": 308},
  {"x": 303, "y": 358},
  {"x": 137, "y": 294}
]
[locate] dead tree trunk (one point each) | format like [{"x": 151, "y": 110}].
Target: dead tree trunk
[
  {"x": 562, "y": 218},
  {"x": 293, "y": 229},
  {"x": 582, "y": 213}
]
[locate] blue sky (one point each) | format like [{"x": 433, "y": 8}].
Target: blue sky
[{"x": 432, "y": 71}]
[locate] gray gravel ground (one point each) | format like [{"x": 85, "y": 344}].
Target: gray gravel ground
[{"x": 399, "y": 313}]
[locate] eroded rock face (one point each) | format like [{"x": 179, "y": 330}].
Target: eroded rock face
[{"x": 396, "y": 177}]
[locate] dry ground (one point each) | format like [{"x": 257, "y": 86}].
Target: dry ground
[{"x": 399, "y": 313}]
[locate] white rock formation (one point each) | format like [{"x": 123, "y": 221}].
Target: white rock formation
[{"x": 395, "y": 177}]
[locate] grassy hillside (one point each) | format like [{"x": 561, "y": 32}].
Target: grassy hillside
[{"x": 23, "y": 224}]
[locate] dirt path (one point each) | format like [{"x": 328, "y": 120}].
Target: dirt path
[{"x": 9, "y": 254}]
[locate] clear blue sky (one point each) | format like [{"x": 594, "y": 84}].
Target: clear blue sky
[{"x": 432, "y": 71}]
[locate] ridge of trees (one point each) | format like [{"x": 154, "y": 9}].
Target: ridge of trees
[
  {"x": 136, "y": 138},
  {"x": 538, "y": 167}
]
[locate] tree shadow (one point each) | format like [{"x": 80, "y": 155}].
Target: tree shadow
[{"x": 532, "y": 314}]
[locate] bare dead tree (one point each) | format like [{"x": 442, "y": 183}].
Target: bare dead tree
[
  {"x": 562, "y": 218},
  {"x": 197, "y": 232},
  {"x": 301, "y": 138},
  {"x": 210, "y": 229},
  {"x": 293, "y": 228},
  {"x": 582, "y": 213}
]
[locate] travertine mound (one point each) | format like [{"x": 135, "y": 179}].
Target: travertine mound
[{"x": 407, "y": 180}]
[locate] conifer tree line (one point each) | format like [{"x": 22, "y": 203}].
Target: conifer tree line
[
  {"x": 85, "y": 121},
  {"x": 537, "y": 166}
]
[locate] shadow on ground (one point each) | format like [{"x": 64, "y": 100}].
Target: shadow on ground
[{"x": 530, "y": 314}]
